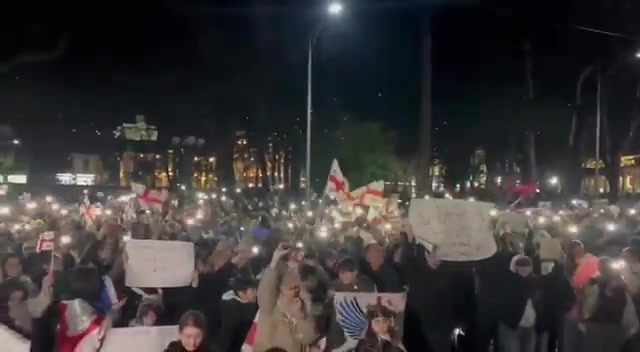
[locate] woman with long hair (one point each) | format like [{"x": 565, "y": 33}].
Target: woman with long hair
[
  {"x": 191, "y": 328},
  {"x": 382, "y": 333}
]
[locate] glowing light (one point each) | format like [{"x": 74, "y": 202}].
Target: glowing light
[
  {"x": 292, "y": 206},
  {"x": 299, "y": 244},
  {"x": 55, "y": 206},
  {"x": 309, "y": 214},
  {"x": 223, "y": 190},
  {"x": 337, "y": 226},
  {"x": 542, "y": 220},
  {"x": 632, "y": 212},
  {"x": 572, "y": 228},
  {"x": 556, "y": 218},
  {"x": 238, "y": 190},
  {"x": 527, "y": 213},
  {"x": 31, "y": 205},
  {"x": 126, "y": 237},
  {"x": 64, "y": 212},
  {"x": 49, "y": 199},
  {"x": 387, "y": 227},
  {"x": 65, "y": 239},
  {"x": 618, "y": 264},
  {"x": 324, "y": 232},
  {"x": 493, "y": 212},
  {"x": 471, "y": 199},
  {"x": 223, "y": 198},
  {"x": 255, "y": 250},
  {"x": 190, "y": 221},
  {"x": 5, "y": 211},
  {"x": 335, "y": 8},
  {"x": 611, "y": 226},
  {"x": 290, "y": 225}
]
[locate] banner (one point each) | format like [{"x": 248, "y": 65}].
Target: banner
[
  {"x": 12, "y": 341},
  {"x": 153, "y": 263},
  {"x": 139, "y": 338},
  {"x": 458, "y": 229},
  {"x": 117, "y": 340},
  {"x": 356, "y": 312}
]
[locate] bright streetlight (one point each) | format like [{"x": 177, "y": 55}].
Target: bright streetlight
[
  {"x": 334, "y": 9},
  {"x": 553, "y": 180}
]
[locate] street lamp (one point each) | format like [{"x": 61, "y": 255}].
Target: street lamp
[
  {"x": 553, "y": 180},
  {"x": 334, "y": 9}
]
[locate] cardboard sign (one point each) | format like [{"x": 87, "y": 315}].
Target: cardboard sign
[
  {"x": 459, "y": 229},
  {"x": 153, "y": 263}
]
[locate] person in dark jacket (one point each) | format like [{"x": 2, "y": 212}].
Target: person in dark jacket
[
  {"x": 383, "y": 274},
  {"x": 192, "y": 330},
  {"x": 430, "y": 296},
  {"x": 238, "y": 308},
  {"x": 517, "y": 312},
  {"x": 556, "y": 299}
]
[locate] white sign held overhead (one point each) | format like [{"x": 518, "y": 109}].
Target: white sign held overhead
[
  {"x": 159, "y": 263},
  {"x": 459, "y": 229}
]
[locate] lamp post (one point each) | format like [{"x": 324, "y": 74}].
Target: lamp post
[{"x": 334, "y": 9}]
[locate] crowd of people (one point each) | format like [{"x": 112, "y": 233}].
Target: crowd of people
[{"x": 276, "y": 284}]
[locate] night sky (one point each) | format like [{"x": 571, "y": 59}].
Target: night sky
[{"x": 198, "y": 66}]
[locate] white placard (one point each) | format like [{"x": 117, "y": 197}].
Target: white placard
[
  {"x": 12, "y": 341},
  {"x": 459, "y": 229},
  {"x": 139, "y": 338},
  {"x": 518, "y": 222},
  {"x": 117, "y": 340},
  {"x": 153, "y": 263}
]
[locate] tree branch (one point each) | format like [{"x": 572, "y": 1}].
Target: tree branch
[{"x": 35, "y": 56}]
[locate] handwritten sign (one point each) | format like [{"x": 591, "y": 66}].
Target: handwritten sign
[
  {"x": 159, "y": 263},
  {"x": 117, "y": 340},
  {"x": 459, "y": 229},
  {"x": 131, "y": 339},
  {"x": 11, "y": 341},
  {"x": 518, "y": 222}
]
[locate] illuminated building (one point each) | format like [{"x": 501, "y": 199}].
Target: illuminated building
[
  {"x": 246, "y": 163},
  {"x": 138, "y": 160},
  {"x": 85, "y": 170},
  {"x": 629, "y": 176},
  {"x": 478, "y": 170}
]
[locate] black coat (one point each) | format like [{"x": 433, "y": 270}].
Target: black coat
[
  {"x": 238, "y": 318},
  {"x": 431, "y": 291},
  {"x": 176, "y": 346},
  {"x": 516, "y": 292},
  {"x": 556, "y": 298}
]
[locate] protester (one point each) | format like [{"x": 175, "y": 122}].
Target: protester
[
  {"x": 284, "y": 319},
  {"x": 192, "y": 331},
  {"x": 238, "y": 308}
]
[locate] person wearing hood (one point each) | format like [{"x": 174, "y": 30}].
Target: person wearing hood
[
  {"x": 517, "y": 312},
  {"x": 238, "y": 308}
]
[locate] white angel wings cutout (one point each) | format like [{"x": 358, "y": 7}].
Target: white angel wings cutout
[{"x": 353, "y": 320}]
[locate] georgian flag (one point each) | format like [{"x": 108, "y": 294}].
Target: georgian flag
[
  {"x": 337, "y": 185},
  {"x": 46, "y": 242},
  {"x": 369, "y": 195},
  {"x": 149, "y": 198}
]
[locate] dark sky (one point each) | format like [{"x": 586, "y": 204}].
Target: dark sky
[{"x": 195, "y": 66}]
